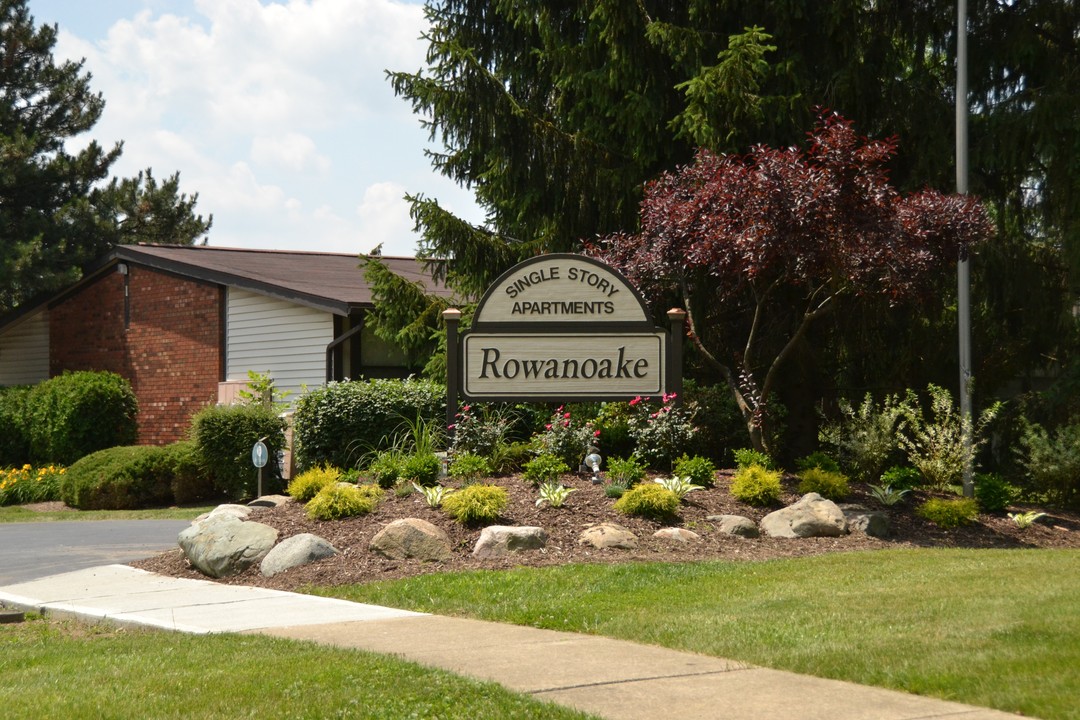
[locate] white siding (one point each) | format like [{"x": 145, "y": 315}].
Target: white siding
[
  {"x": 276, "y": 337},
  {"x": 24, "y": 351}
]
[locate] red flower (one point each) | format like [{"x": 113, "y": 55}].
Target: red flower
[
  {"x": 596, "y": 434},
  {"x": 566, "y": 416},
  {"x": 548, "y": 426},
  {"x": 635, "y": 401}
]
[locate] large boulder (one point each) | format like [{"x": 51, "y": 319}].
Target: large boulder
[
  {"x": 412, "y": 538},
  {"x": 608, "y": 535},
  {"x": 297, "y": 550},
  {"x": 870, "y": 522},
  {"x": 503, "y": 540},
  {"x": 237, "y": 511},
  {"x": 735, "y": 525},
  {"x": 811, "y": 516},
  {"x": 224, "y": 545}
]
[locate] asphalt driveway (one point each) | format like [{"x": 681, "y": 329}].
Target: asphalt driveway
[{"x": 34, "y": 550}]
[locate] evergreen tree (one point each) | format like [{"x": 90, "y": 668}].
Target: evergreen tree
[{"x": 57, "y": 212}]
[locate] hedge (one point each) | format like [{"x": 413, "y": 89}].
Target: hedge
[
  {"x": 340, "y": 422},
  {"x": 78, "y": 413},
  {"x": 224, "y": 436}
]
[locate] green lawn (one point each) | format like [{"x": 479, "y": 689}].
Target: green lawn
[
  {"x": 17, "y": 513},
  {"x": 993, "y": 628},
  {"x": 64, "y": 670}
]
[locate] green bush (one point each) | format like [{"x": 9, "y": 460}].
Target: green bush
[
  {"x": 818, "y": 459},
  {"x": 468, "y": 468},
  {"x": 902, "y": 477},
  {"x": 510, "y": 457},
  {"x": 307, "y": 484},
  {"x": 993, "y": 492},
  {"x": 829, "y": 485},
  {"x": 866, "y": 436},
  {"x": 476, "y": 504},
  {"x": 698, "y": 470},
  {"x": 421, "y": 468},
  {"x": 224, "y": 436},
  {"x": 14, "y": 434},
  {"x": 385, "y": 470},
  {"x": 119, "y": 478},
  {"x": 627, "y": 473},
  {"x": 1052, "y": 462},
  {"x": 649, "y": 500},
  {"x": 75, "y": 414},
  {"x": 949, "y": 513},
  {"x": 545, "y": 469},
  {"x": 341, "y": 500},
  {"x": 721, "y": 427},
  {"x": 745, "y": 457},
  {"x": 191, "y": 482},
  {"x": 756, "y": 485},
  {"x": 341, "y": 421}
]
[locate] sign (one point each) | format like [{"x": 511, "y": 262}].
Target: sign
[
  {"x": 259, "y": 454},
  {"x": 560, "y": 328}
]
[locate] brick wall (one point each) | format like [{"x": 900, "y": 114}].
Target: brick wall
[{"x": 170, "y": 350}]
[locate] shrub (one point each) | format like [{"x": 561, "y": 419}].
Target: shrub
[
  {"x": 433, "y": 494},
  {"x": 342, "y": 500},
  {"x": 949, "y": 513},
  {"x": 191, "y": 482},
  {"x": 545, "y": 469},
  {"x": 615, "y": 490},
  {"x": 936, "y": 444},
  {"x": 479, "y": 429},
  {"x": 613, "y": 422},
  {"x": 720, "y": 425},
  {"x": 661, "y": 435},
  {"x": 554, "y": 495},
  {"x": 696, "y": 469},
  {"x": 887, "y": 495},
  {"x": 119, "y": 478},
  {"x": 1052, "y": 462},
  {"x": 866, "y": 436},
  {"x": 902, "y": 477},
  {"x": 386, "y": 469},
  {"x": 756, "y": 485},
  {"x": 224, "y": 436},
  {"x": 307, "y": 484},
  {"x": 649, "y": 500},
  {"x": 476, "y": 504},
  {"x": 14, "y": 434},
  {"x": 679, "y": 485},
  {"x": 566, "y": 438},
  {"x": 827, "y": 484},
  {"x": 19, "y": 486},
  {"x": 469, "y": 468},
  {"x": 628, "y": 472},
  {"x": 421, "y": 468},
  {"x": 993, "y": 492},
  {"x": 337, "y": 423},
  {"x": 510, "y": 457},
  {"x": 745, "y": 457},
  {"x": 78, "y": 413},
  {"x": 818, "y": 459}
]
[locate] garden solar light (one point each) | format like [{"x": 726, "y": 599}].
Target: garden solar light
[{"x": 593, "y": 460}]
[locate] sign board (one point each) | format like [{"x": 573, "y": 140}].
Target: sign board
[
  {"x": 259, "y": 454},
  {"x": 560, "y": 328}
]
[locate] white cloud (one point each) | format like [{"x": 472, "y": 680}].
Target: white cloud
[
  {"x": 293, "y": 152},
  {"x": 384, "y": 216}
]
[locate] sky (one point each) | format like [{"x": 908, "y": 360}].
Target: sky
[{"x": 278, "y": 114}]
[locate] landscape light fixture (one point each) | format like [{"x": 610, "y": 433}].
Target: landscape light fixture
[{"x": 592, "y": 461}]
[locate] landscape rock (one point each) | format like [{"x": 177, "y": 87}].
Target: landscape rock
[
  {"x": 222, "y": 544},
  {"x": 811, "y": 516},
  {"x": 869, "y": 522},
  {"x": 270, "y": 501},
  {"x": 735, "y": 525},
  {"x": 502, "y": 540},
  {"x": 608, "y": 535},
  {"x": 677, "y": 534},
  {"x": 237, "y": 511},
  {"x": 294, "y": 551},
  {"x": 412, "y": 538}
]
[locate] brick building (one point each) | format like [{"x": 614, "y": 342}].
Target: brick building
[{"x": 185, "y": 325}]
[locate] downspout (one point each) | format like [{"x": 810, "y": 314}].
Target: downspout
[{"x": 333, "y": 345}]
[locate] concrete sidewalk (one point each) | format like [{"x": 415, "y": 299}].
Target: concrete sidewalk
[{"x": 610, "y": 678}]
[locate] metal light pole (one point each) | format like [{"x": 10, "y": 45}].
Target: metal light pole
[{"x": 963, "y": 269}]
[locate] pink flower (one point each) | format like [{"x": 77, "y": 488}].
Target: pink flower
[
  {"x": 596, "y": 434},
  {"x": 635, "y": 401},
  {"x": 548, "y": 426},
  {"x": 566, "y": 416},
  {"x": 566, "y": 423},
  {"x": 466, "y": 408},
  {"x": 451, "y": 427}
]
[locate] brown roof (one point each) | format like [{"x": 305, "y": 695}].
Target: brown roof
[{"x": 327, "y": 281}]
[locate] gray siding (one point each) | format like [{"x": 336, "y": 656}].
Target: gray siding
[
  {"x": 24, "y": 351},
  {"x": 285, "y": 340}
]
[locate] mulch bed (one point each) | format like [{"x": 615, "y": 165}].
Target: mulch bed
[{"x": 589, "y": 506}]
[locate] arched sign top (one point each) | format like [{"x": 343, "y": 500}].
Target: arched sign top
[{"x": 564, "y": 289}]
